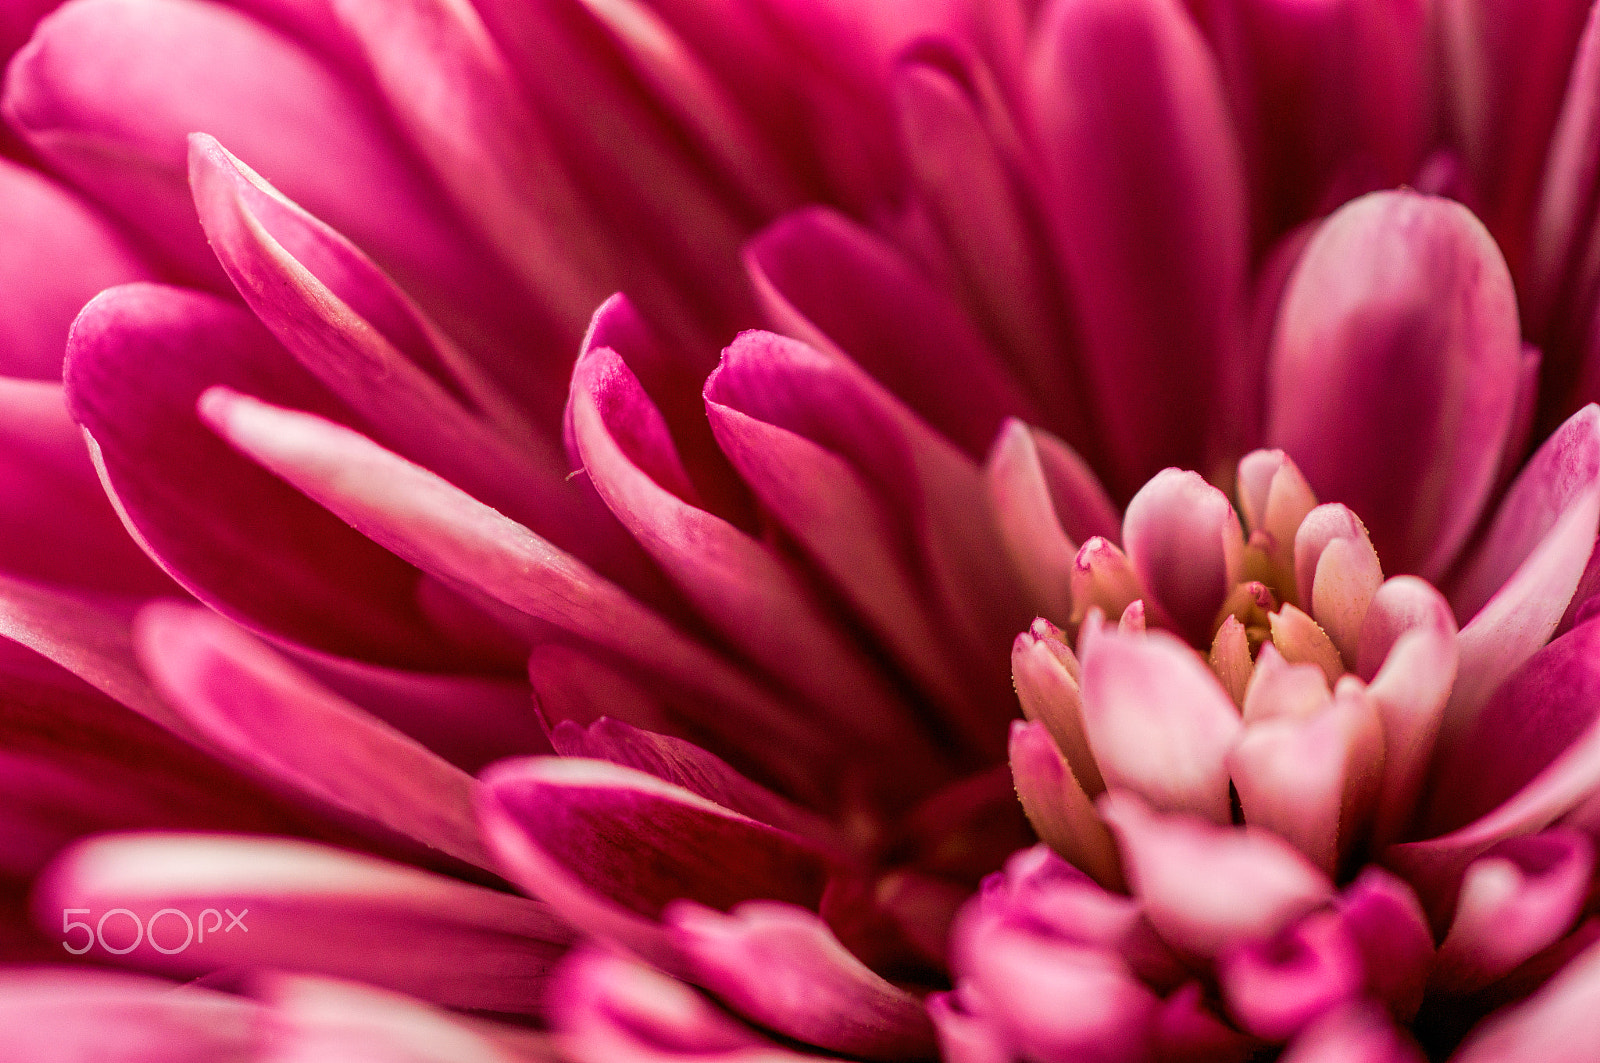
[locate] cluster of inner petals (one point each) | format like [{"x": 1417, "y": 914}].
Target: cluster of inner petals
[{"x": 1250, "y": 729}]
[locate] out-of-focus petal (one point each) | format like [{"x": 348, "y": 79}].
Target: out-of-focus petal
[
  {"x": 1516, "y": 899},
  {"x": 1254, "y": 886},
  {"x": 118, "y": 1018},
  {"x": 262, "y": 903},
  {"x": 56, "y": 255},
  {"x": 609, "y": 847},
  {"x": 1159, "y": 722},
  {"x": 781, "y": 966},
  {"x": 1399, "y": 329},
  {"x": 1274, "y": 988},
  {"x": 1149, "y": 211},
  {"x": 1558, "y": 1025},
  {"x": 1359, "y": 1033},
  {"x": 1387, "y": 924}
]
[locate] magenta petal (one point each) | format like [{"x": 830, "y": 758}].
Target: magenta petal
[
  {"x": 1046, "y": 500},
  {"x": 1399, "y": 329},
  {"x": 1359, "y": 1033},
  {"x": 1159, "y": 722},
  {"x": 1254, "y": 885},
  {"x": 469, "y": 546},
  {"x": 609, "y": 847},
  {"x": 980, "y": 192},
  {"x": 308, "y": 908},
  {"x": 138, "y": 359},
  {"x": 1389, "y": 927},
  {"x": 1560, "y": 262},
  {"x": 685, "y": 764},
  {"x": 829, "y": 282},
  {"x": 442, "y": 75},
  {"x": 319, "y": 1019},
  {"x": 1559, "y": 1024},
  {"x": 59, "y": 527},
  {"x": 1278, "y": 986},
  {"x": 1516, "y": 899},
  {"x": 747, "y": 590},
  {"x": 1149, "y": 211},
  {"x": 56, "y": 255},
  {"x": 359, "y": 335},
  {"x": 1184, "y": 540},
  {"x": 108, "y": 91},
  {"x": 886, "y": 508},
  {"x": 1565, "y": 467},
  {"x": 254, "y": 708},
  {"x": 608, "y": 1008},
  {"x": 781, "y": 967},
  {"x": 1531, "y": 756},
  {"x": 119, "y": 1018}
]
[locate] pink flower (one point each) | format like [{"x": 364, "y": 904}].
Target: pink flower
[{"x": 1101, "y": 314}]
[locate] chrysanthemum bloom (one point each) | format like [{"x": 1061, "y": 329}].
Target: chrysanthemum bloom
[{"x": 1099, "y": 327}]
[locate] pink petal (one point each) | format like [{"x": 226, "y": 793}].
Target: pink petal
[
  {"x": 826, "y": 281},
  {"x": 1557, "y": 477},
  {"x": 1149, "y": 209},
  {"x": 1046, "y": 675},
  {"x": 470, "y": 546},
  {"x": 609, "y": 847},
  {"x": 685, "y": 764},
  {"x": 1389, "y": 927},
  {"x": 320, "y": 1019},
  {"x": 1184, "y": 540},
  {"x": 1056, "y": 805},
  {"x": 108, "y": 91},
  {"x": 1254, "y": 884},
  {"x": 1274, "y": 500},
  {"x": 138, "y": 359},
  {"x": 1401, "y": 604},
  {"x": 1159, "y": 722},
  {"x": 1410, "y": 692},
  {"x": 1558, "y": 1025},
  {"x": 306, "y": 908},
  {"x": 1532, "y": 755},
  {"x": 782, "y": 967},
  {"x": 1312, "y": 779},
  {"x": 129, "y": 1019},
  {"x": 1275, "y": 988},
  {"x": 255, "y": 709},
  {"x": 1359, "y": 1033},
  {"x": 975, "y": 181},
  {"x": 1399, "y": 296},
  {"x": 1337, "y": 573},
  {"x": 57, "y": 254},
  {"x": 1505, "y": 66},
  {"x": 753, "y": 595},
  {"x": 59, "y": 526},
  {"x": 1523, "y": 614},
  {"x": 359, "y": 335},
  {"x": 609, "y": 1009},
  {"x": 1558, "y": 267},
  {"x": 1517, "y": 899},
  {"x": 1045, "y": 498},
  {"x": 886, "y": 508}
]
